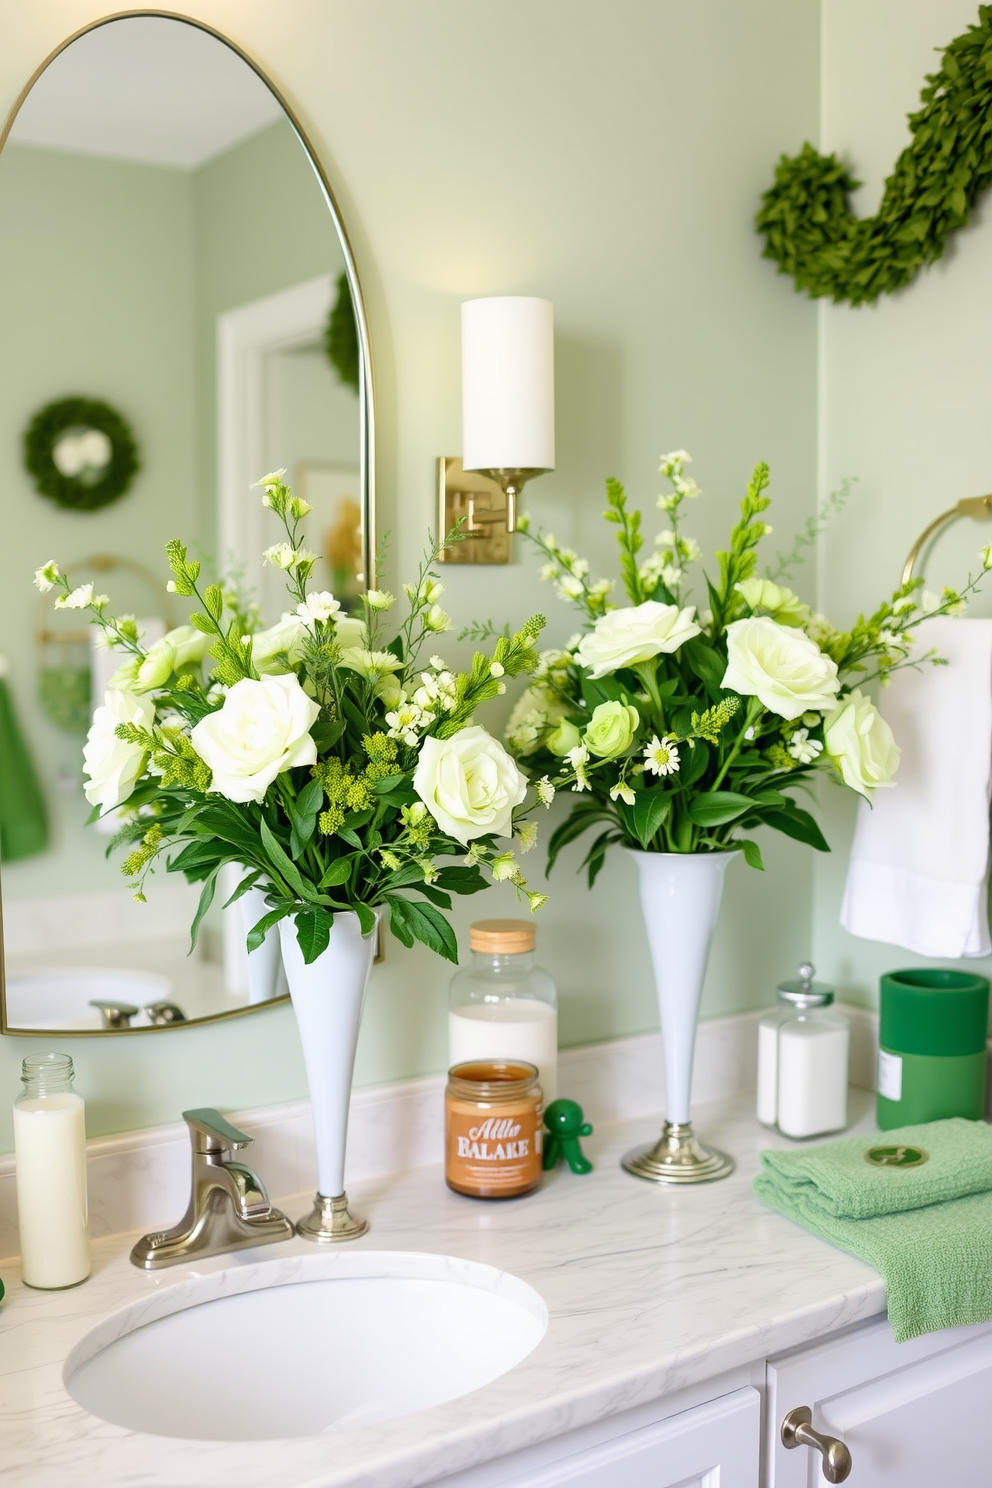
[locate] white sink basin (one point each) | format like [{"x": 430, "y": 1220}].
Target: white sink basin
[{"x": 305, "y": 1345}]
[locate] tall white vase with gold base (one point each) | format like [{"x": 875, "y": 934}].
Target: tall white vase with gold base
[
  {"x": 680, "y": 898},
  {"x": 328, "y": 997}
]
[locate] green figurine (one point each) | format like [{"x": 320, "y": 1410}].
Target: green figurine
[{"x": 565, "y": 1125}]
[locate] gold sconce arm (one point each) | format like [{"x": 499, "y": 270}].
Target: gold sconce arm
[
  {"x": 978, "y": 507},
  {"x": 483, "y": 504}
]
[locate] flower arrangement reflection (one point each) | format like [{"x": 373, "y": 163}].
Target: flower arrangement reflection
[
  {"x": 323, "y": 754},
  {"x": 683, "y": 730}
]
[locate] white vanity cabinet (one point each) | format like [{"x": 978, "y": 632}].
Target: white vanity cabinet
[
  {"x": 713, "y": 1445},
  {"x": 913, "y": 1415}
]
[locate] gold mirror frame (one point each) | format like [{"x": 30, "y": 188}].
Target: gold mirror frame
[{"x": 366, "y": 418}]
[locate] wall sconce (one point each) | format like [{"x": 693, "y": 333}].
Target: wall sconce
[{"x": 508, "y": 423}]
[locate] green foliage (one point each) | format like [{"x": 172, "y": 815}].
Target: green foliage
[
  {"x": 341, "y": 336},
  {"x": 710, "y": 725},
  {"x": 704, "y": 766},
  {"x": 628, "y": 536},
  {"x": 805, "y": 539},
  {"x": 806, "y": 220},
  {"x": 348, "y": 833},
  {"x": 739, "y": 563}
]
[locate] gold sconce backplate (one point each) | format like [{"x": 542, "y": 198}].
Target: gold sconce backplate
[{"x": 480, "y": 505}]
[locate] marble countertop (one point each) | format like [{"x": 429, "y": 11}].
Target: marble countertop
[{"x": 649, "y": 1290}]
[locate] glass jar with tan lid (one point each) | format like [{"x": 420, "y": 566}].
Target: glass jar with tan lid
[
  {"x": 492, "y": 1128},
  {"x": 502, "y": 1006}
]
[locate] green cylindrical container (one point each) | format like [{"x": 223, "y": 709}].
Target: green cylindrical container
[{"x": 931, "y": 1055}]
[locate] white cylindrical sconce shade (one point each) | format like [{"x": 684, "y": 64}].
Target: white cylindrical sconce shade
[{"x": 508, "y": 384}]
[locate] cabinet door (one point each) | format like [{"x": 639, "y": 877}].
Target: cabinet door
[
  {"x": 913, "y": 1415},
  {"x": 711, "y": 1446}
]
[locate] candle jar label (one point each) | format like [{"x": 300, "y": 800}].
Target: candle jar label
[{"x": 493, "y": 1147}]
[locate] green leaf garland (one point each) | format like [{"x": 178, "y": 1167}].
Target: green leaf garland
[{"x": 806, "y": 220}]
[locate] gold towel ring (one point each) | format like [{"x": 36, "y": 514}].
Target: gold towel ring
[{"x": 979, "y": 507}]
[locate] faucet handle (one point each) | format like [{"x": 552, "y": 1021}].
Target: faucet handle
[
  {"x": 210, "y": 1133},
  {"x": 115, "y": 1014}
]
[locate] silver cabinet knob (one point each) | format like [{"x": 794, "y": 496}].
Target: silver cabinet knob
[{"x": 797, "y": 1432}]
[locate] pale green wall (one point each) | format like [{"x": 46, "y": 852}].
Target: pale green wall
[
  {"x": 905, "y": 395},
  {"x": 96, "y": 297},
  {"x": 614, "y": 167}
]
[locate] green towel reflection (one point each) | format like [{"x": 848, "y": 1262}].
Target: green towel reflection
[
  {"x": 927, "y": 1230},
  {"x": 23, "y": 824}
]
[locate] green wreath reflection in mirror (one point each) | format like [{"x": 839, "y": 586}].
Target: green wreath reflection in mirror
[{"x": 80, "y": 453}]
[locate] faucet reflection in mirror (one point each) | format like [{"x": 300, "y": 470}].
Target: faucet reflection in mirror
[
  {"x": 508, "y": 422},
  {"x": 332, "y": 760}
]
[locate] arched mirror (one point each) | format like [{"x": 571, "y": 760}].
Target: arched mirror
[{"x": 179, "y": 314}]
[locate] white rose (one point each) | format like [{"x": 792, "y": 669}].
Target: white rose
[
  {"x": 113, "y": 766},
  {"x": 860, "y": 743},
  {"x": 469, "y": 784},
  {"x": 179, "y": 647},
  {"x": 776, "y": 600},
  {"x": 625, "y": 637},
  {"x": 279, "y": 647},
  {"x": 780, "y": 666},
  {"x": 262, "y": 729}
]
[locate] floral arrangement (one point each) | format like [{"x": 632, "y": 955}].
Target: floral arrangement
[
  {"x": 328, "y": 759},
  {"x": 683, "y": 731}
]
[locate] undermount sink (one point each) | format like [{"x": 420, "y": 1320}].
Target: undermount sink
[{"x": 305, "y": 1345}]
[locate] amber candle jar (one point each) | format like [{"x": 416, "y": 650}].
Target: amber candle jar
[{"x": 492, "y": 1128}]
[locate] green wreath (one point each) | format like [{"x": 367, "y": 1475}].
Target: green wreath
[
  {"x": 81, "y": 453},
  {"x": 341, "y": 336},
  {"x": 806, "y": 220}
]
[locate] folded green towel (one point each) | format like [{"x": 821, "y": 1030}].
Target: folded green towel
[
  {"x": 927, "y": 1230},
  {"x": 23, "y": 827}
]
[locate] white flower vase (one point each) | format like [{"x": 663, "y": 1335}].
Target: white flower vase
[
  {"x": 257, "y": 977},
  {"x": 264, "y": 965},
  {"x": 680, "y": 898},
  {"x": 328, "y": 997}
]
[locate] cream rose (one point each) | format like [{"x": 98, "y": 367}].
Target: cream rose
[
  {"x": 469, "y": 784},
  {"x": 860, "y": 744},
  {"x": 280, "y": 648},
  {"x": 611, "y": 729},
  {"x": 780, "y": 666},
  {"x": 183, "y": 646},
  {"x": 776, "y": 600},
  {"x": 262, "y": 729},
  {"x": 113, "y": 766},
  {"x": 624, "y": 637}
]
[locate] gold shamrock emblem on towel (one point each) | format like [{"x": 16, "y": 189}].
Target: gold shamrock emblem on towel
[{"x": 896, "y": 1157}]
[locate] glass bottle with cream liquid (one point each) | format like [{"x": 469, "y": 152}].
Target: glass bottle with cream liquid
[
  {"x": 502, "y": 1006},
  {"x": 50, "y": 1166}
]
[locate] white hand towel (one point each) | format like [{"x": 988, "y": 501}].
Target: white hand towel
[{"x": 918, "y": 875}]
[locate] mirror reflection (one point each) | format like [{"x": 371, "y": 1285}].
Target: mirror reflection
[{"x": 176, "y": 319}]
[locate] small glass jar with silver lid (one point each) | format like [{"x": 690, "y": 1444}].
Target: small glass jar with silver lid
[{"x": 803, "y": 1047}]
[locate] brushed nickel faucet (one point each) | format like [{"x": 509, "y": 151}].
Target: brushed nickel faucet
[{"x": 228, "y": 1206}]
